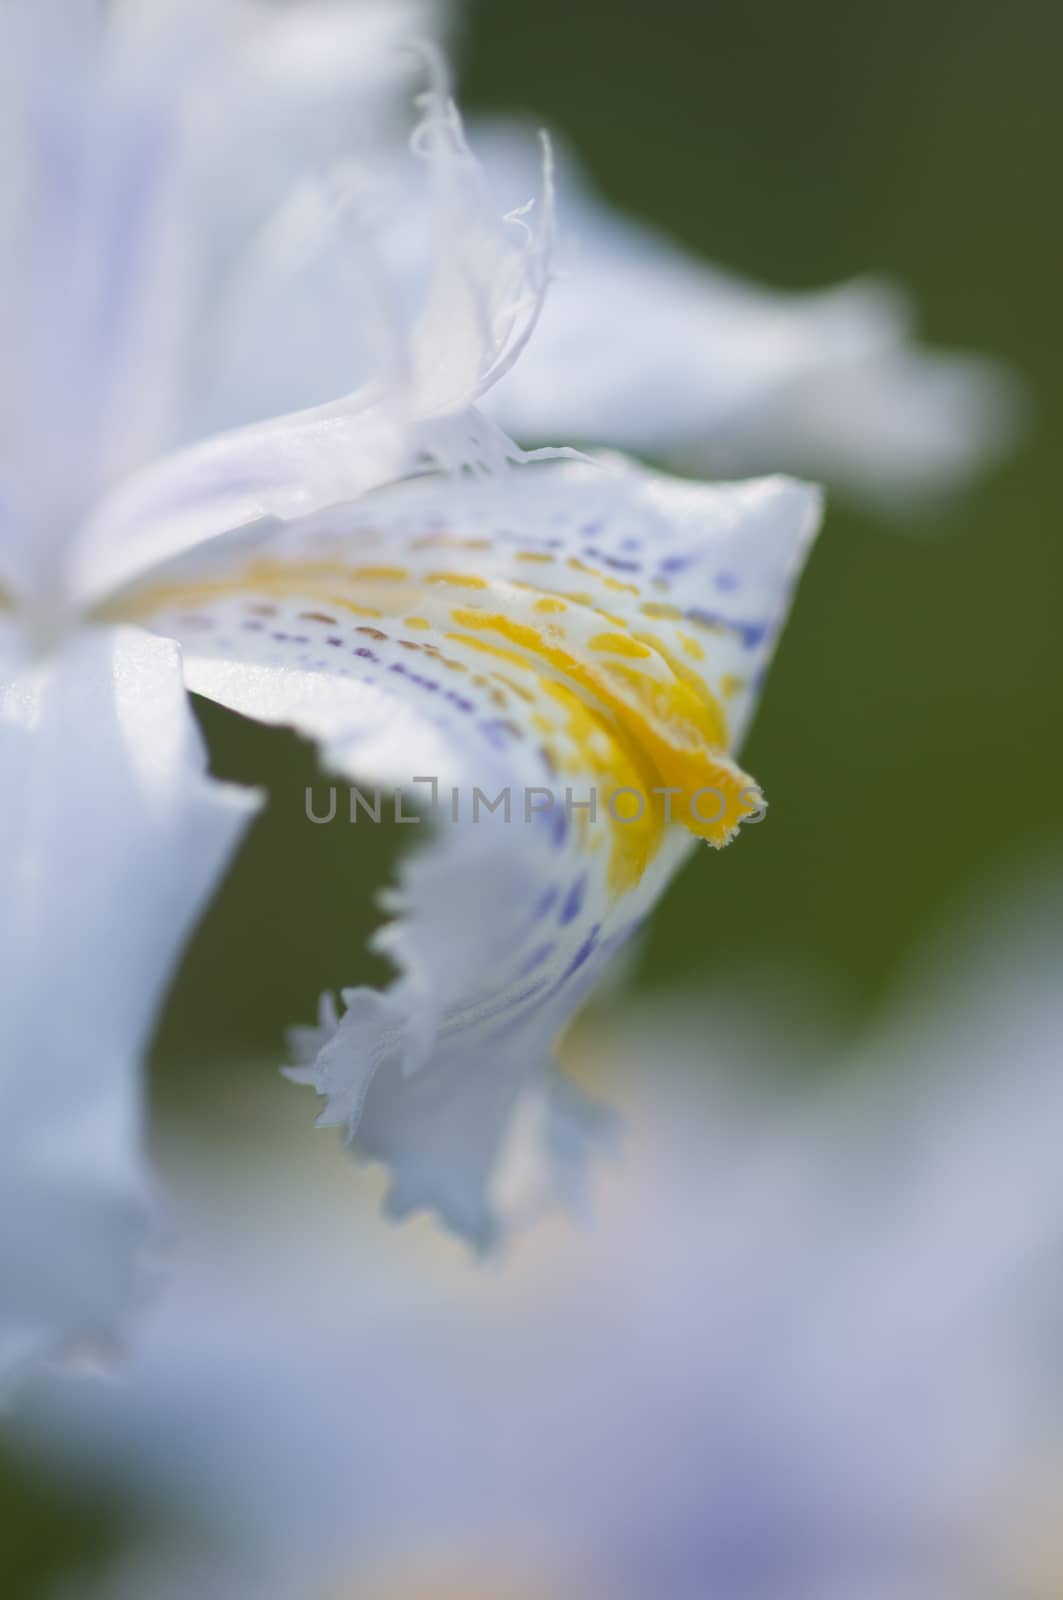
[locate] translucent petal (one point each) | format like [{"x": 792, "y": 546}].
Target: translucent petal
[
  {"x": 476, "y": 292},
  {"x": 282, "y": 468},
  {"x": 282, "y": 108},
  {"x": 557, "y": 635},
  {"x": 143, "y": 151},
  {"x": 112, "y": 839},
  {"x": 652, "y": 350},
  {"x": 82, "y": 184},
  {"x": 904, "y": 427}
]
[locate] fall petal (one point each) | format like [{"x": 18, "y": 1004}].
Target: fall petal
[{"x": 558, "y": 662}]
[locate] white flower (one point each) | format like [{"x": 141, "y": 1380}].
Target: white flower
[
  {"x": 660, "y": 353},
  {"x": 501, "y": 623},
  {"x": 800, "y": 1354}
]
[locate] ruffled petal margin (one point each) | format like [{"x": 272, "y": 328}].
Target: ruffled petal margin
[{"x": 552, "y": 666}]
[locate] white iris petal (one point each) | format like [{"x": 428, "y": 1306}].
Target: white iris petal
[
  {"x": 104, "y": 803},
  {"x": 557, "y": 633}
]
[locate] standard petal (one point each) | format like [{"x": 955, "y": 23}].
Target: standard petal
[
  {"x": 273, "y": 100},
  {"x": 473, "y": 283},
  {"x": 587, "y": 643},
  {"x": 654, "y": 351},
  {"x": 145, "y": 152},
  {"x": 113, "y": 837},
  {"x": 284, "y": 468},
  {"x": 95, "y": 264}
]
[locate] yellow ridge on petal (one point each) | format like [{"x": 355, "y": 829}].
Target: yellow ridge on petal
[{"x": 617, "y": 708}]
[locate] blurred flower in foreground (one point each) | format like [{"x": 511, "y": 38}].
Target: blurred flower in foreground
[
  {"x": 806, "y": 1349},
  {"x": 660, "y": 353},
  {"x": 386, "y": 572}
]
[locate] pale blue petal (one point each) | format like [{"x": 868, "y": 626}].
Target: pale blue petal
[
  {"x": 554, "y": 630},
  {"x": 112, "y": 840}
]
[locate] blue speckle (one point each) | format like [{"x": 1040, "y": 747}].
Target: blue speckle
[
  {"x": 583, "y": 954},
  {"x": 499, "y": 732},
  {"x": 594, "y": 553},
  {"x": 574, "y": 900},
  {"x": 526, "y": 995},
  {"x": 548, "y": 901},
  {"x": 752, "y": 634},
  {"x": 536, "y": 959}
]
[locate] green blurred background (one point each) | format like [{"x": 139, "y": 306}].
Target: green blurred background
[{"x": 909, "y": 739}]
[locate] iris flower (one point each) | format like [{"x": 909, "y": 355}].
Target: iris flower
[
  {"x": 382, "y": 569},
  {"x": 802, "y": 1352}
]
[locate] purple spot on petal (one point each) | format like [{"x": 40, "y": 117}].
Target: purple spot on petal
[
  {"x": 558, "y": 827},
  {"x": 574, "y": 900},
  {"x": 752, "y": 633},
  {"x": 582, "y": 954},
  {"x": 618, "y": 563},
  {"x": 548, "y": 901},
  {"x": 500, "y": 731},
  {"x": 536, "y": 959}
]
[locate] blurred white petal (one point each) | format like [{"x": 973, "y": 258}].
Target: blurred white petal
[
  {"x": 646, "y": 347},
  {"x": 901, "y": 428},
  {"x": 112, "y": 839},
  {"x": 803, "y": 1353}
]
